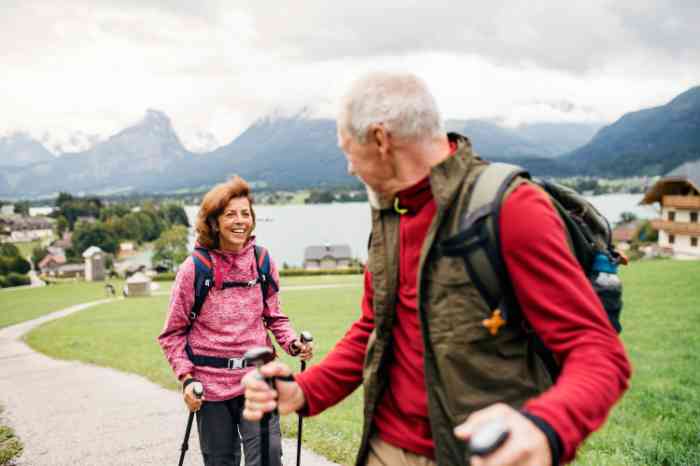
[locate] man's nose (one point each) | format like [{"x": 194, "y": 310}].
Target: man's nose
[{"x": 351, "y": 169}]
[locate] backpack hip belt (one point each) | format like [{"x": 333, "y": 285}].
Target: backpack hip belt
[{"x": 213, "y": 361}]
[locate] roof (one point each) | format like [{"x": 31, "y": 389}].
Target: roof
[
  {"x": 686, "y": 174},
  {"x": 333, "y": 251},
  {"x": 91, "y": 251},
  {"x": 19, "y": 223},
  {"x": 626, "y": 232},
  {"x": 52, "y": 258}
]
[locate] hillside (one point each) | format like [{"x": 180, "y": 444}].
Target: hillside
[{"x": 647, "y": 142}]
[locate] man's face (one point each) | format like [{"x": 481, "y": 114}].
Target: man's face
[{"x": 364, "y": 161}]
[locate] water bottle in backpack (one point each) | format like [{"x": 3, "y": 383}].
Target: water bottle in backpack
[{"x": 608, "y": 287}]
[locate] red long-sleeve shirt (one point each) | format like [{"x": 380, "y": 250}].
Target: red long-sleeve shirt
[{"x": 556, "y": 298}]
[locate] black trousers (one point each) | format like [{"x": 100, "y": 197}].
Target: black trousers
[{"x": 222, "y": 428}]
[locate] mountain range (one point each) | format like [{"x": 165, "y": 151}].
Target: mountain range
[{"x": 301, "y": 152}]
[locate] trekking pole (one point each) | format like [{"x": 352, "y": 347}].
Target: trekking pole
[
  {"x": 305, "y": 337},
  {"x": 488, "y": 437},
  {"x": 198, "y": 390},
  {"x": 257, "y": 357}
]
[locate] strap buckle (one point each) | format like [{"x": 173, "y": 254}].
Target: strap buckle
[
  {"x": 236, "y": 363},
  {"x": 252, "y": 283}
]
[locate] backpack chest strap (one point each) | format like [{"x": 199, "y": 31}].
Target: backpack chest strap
[{"x": 248, "y": 284}]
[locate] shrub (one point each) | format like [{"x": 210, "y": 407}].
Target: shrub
[
  {"x": 16, "y": 279},
  {"x": 304, "y": 272},
  {"x": 164, "y": 277}
]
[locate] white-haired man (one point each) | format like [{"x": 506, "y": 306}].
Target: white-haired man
[{"x": 432, "y": 372}]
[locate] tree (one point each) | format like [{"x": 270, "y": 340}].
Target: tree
[
  {"x": 62, "y": 226},
  {"x": 22, "y": 208},
  {"x": 16, "y": 264},
  {"x": 627, "y": 217},
  {"x": 38, "y": 254},
  {"x": 171, "y": 248},
  {"x": 175, "y": 214},
  {"x": 92, "y": 234}
]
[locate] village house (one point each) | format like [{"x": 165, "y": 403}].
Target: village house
[
  {"x": 336, "y": 256},
  {"x": 70, "y": 271},
  {"x": 50, "y": 264},
  {"x": 678, "y": 193},
  {"x": 18, "y": 229},
  {"x": 7, "y": 209}
]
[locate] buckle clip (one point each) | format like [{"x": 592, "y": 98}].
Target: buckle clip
[
  {"x": 252, "y": 283},
  {"x": 235, "y": 363}
]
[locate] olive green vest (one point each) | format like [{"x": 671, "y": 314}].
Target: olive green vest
[{"x": 466, "y": 368}]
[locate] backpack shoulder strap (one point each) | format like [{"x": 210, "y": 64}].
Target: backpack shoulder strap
[
  {"x": 262, "y": 262},
  {"x": 203, "y": 279},
  {"x": 478, "y": 239}
]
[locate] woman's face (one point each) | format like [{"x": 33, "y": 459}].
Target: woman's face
[{"x": 235, "y": 224}]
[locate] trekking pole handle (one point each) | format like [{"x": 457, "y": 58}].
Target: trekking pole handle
[
  {"x": 258, "y": 357},
  {"x": 306, "y": 337},
  {"x": 488, "y": 437},
  {"x": 198, "y": 389}
]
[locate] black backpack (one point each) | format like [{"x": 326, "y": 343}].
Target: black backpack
[
  {"x": 204, "y": 277},
  {"x": 478, "y": 243}
]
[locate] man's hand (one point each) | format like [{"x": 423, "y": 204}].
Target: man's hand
[
  {"x": 526, "y": 446},
  {"x": 303, "y": 351},
  {"x": 260, "y": 398}
]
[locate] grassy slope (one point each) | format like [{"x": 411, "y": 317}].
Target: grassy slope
[
  {"x": 28, "y": 303},
  {"x": 655, "y": 424}
]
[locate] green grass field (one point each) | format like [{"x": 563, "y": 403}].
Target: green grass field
[
  {"x": 28, "y": 303},
  {"x": 657, "y": 422}
]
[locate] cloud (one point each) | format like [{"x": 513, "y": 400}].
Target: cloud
[
  {"x": 95, "y": 66},
  {"x": 575, "y": 37}
]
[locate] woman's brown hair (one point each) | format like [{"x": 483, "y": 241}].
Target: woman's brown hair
[{"x": 214, "y": 203}]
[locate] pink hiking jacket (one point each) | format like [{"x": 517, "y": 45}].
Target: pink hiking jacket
[{"x": 231, "y": 321}]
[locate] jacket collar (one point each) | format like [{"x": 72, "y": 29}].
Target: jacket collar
[{"x": 443, "y": 183}]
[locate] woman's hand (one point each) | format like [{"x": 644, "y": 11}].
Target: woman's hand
[
  {"x": 304, "y": 351},
  {"x": 193, "y": 402}
]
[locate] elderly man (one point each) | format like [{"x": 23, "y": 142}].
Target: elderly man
[{"x": 431, "y": 372}]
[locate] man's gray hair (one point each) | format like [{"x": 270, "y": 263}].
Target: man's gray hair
[{"x": 399, "y": 101}]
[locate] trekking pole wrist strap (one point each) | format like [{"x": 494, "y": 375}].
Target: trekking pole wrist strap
[{"x": 187, "y": 382}]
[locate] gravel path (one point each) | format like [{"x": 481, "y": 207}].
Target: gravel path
[{"x": 70, "y": 413}]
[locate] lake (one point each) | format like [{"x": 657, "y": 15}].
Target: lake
[{"x": 286, "y": 230}]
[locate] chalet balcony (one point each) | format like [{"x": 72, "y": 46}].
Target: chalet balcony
[
  {"x": 681, "y": 202},
  {"x": 676, "y": 228}
]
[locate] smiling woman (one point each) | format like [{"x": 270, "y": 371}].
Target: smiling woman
[
  {"x": 206, "y": 334},
  {"x": 226, "y": 218}
]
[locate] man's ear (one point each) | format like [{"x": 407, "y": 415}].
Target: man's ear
[{"x": 382, "y": 138}]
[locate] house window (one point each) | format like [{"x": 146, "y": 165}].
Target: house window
[
  {"x": 694, "y": 217},
  {"x": 671, "y": 239},
  {"x": 671, "y": 216},
  {"x": 694, "y": 241}
]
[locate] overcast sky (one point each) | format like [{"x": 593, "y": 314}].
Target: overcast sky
[{"x": 78, "y": 68}]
